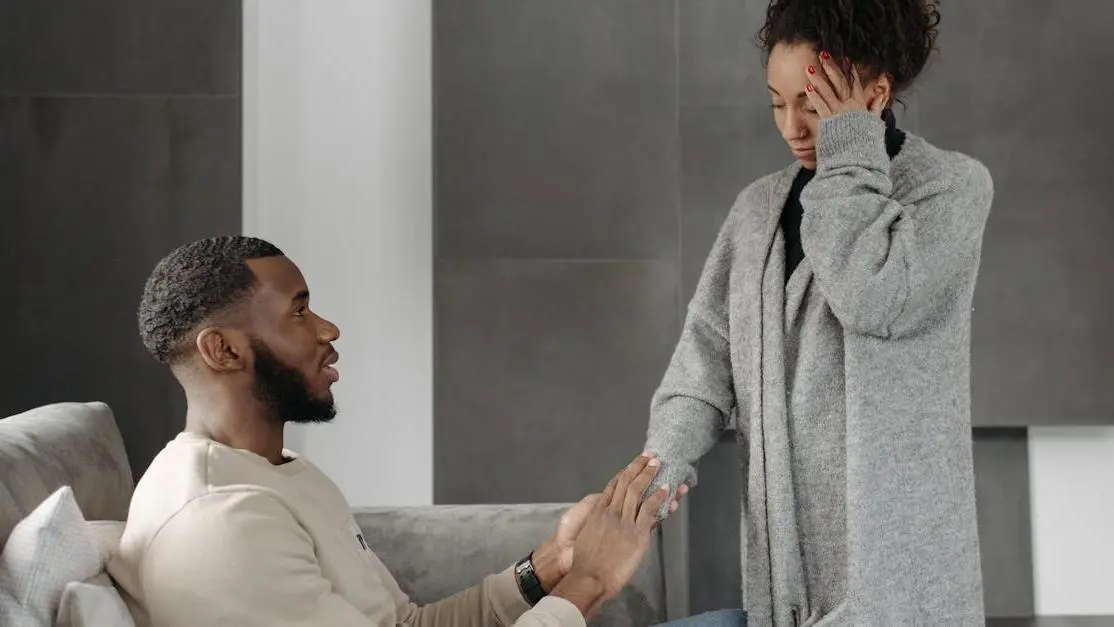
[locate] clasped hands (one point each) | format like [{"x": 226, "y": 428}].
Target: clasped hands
[{"x": 602, "y": 539}]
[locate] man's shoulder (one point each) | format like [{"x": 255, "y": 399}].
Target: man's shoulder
[
  {"x": 227, "y": 511},
  {"x": 175, "y": 511},
  {"x": 177, "y": 475},
  {"x": 187, "y": 482},
  {"x": 232, "y": 517}
]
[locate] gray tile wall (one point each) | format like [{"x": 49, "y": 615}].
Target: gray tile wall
[
  {"x": 587, "y": 152},
  {"x": 557, "y": 241},
  {"x": 119, "y": 139},
  {"x": 1043, "y": 346}
]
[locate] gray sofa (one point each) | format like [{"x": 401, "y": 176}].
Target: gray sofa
[{"x": 433, "y": 551}]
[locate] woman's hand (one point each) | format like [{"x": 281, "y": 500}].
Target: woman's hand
[
  {"x": 554, "y": 558},
  {"x": 833, "y": 90}
]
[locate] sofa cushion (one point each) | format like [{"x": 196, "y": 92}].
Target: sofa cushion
[
  {"x": 74, "y": 444},
  {"x": 47, "y": 550},
  {"x": 93, "y": 603},
  {"x": 436, "y": 551}
]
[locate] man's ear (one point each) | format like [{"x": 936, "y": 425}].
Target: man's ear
[{"x": 222, "y": 349}]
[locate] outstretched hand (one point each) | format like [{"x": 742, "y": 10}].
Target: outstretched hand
[
  {"x": 836, "y": 88},
  {"x": 560, "y": 548},
  {"x": 618, "y": 527}
]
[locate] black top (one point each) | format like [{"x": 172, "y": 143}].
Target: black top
[{"x": 792, "y": 213}]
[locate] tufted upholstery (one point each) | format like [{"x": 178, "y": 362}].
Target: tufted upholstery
[
  {"x": 75, "y": 444},
  {"x": 436, "y": 551}
]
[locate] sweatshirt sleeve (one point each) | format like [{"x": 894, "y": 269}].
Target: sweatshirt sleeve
[
  {"x": 694, "y": 402},
  {"x": 239, "y": 558},
  {"x": 495, "y": 602},
  {"x": 886, "y": 268}
]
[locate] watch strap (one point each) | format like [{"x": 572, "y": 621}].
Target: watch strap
[{"x": 528, "y": 582}]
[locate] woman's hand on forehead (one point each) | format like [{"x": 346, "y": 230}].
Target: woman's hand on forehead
[{"x": 835, "y": 88}]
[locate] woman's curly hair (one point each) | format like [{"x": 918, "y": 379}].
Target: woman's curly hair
[{"x": 894, "y": 37}]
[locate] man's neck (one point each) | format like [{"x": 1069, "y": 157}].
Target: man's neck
[{"x": 243, "y": 424}]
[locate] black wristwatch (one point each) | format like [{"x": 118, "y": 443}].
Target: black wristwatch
[{"x": 528, "y": 581}]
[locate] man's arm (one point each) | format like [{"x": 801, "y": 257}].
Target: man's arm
[
  {"x": 239, "y": 558},
  {"x": 611, "y": 532},
  {"x": 496, "y": 601}
]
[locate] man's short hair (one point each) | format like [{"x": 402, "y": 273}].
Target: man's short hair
[{"x": 193, "y": 284}]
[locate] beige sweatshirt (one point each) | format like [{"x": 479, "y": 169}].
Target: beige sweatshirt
[{"x": 219, "y": 536}]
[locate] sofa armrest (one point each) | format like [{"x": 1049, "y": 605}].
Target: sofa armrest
[{"x": 436, "y": 551}]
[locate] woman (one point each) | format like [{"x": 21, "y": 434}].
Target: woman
[{"x": 833, "y": 315}]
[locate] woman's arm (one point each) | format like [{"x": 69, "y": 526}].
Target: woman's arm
[
  {"x": 693, "y": 404},
  {"x": 887, "y": 269}
]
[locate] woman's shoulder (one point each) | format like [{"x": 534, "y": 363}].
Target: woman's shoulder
[
  {"x": 759, "y": 194},
  {"x": 921, "y": 164}
]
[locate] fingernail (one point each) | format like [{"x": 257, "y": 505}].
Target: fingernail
[
  {"x": 811, "y": 70},
  {"x": 664, "y": 487},
  {"x": 809, "y": 87},
  {"x": 655, "y": 462},
  {"x": 824, "y": 55}
]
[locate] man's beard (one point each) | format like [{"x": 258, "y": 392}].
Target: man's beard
[{"x": 285, "y": 390}]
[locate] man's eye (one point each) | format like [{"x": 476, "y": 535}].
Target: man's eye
[{"x": 777, "y": 106}]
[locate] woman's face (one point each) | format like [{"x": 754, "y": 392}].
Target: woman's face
[{"x": 795, "y": 116}]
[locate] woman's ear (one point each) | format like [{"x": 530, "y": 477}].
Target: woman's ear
[{"x": 880, "y": 93}]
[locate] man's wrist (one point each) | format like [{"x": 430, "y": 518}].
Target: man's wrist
[
  {"x": 586, "y": 593},
  {"x": 547, "y": 566}
]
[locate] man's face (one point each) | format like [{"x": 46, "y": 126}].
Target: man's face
[{"x": 292, "y": 353}]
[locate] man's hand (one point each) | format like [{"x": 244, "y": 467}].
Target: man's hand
[
  {"x": 553, "y": 559},
  {"x": 615, "y": 535}
]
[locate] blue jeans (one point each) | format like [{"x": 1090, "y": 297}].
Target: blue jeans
[{"x": 720, "y": 618}]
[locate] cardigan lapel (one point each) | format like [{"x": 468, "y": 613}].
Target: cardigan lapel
[{"x": 751, "y": 305}]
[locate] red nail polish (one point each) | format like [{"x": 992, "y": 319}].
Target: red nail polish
[
  {"x": 846, "y": 62},
  {"x": 811, "y": 70},
  {"x": 809, "y": 87},
  {"x": 824, "y": 55}
]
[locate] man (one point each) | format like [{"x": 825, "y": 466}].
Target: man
[{"x": 227, "y": 527}]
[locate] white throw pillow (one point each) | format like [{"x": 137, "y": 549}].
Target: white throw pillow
[
  {"x": 93, "y": 603},
  {"x": 107, "y": 534},
  {"x": 48, "y": 549}
]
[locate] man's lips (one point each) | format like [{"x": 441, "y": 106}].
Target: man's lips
[{"x": 328, "y": 367}]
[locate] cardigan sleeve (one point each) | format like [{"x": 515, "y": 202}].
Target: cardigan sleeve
[
  {"x": 887, "y": 269},
  {"x": 695, "y": 400}
]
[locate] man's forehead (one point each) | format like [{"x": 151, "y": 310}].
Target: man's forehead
[{"x": 278, "y": 276}]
